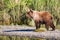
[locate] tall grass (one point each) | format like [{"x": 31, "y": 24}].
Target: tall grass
[{"x": 14, "y": 12}]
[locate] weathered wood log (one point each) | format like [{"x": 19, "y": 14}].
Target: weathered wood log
[
  {"x": 16, "y": 27},
  {"x": 47, "y": 34}
]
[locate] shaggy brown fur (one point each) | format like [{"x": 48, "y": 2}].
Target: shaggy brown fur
[{"x": 42, "y": 17}]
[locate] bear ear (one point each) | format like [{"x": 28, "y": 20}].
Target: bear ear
[{"x": 31, "y": 10}]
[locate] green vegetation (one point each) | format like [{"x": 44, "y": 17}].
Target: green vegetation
[{"x": 14, "y": 12}]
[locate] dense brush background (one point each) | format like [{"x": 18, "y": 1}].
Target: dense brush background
[{"x": 13, "y": 12}]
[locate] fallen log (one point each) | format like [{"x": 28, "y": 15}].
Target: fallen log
[{"x": 47, "y": 34}]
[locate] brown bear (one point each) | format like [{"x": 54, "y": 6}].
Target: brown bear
[{"x": 42, "y": 17}]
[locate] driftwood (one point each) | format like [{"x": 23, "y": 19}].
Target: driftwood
[
  {"x": 8, "y": 31},
  {"x": 16, "y": 27}
]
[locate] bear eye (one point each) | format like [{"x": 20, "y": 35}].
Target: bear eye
[{"x": 28, "y": 12}]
